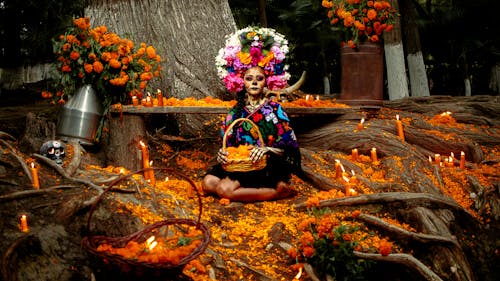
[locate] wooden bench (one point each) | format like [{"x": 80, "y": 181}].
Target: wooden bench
[{"x": 127, "y": 126}]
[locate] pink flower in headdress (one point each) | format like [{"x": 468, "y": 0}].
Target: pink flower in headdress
[
  {"x": 231, "y": 51},
  {"x": 278, "y": 54},
  {"x": 256, "y": 55},
  {"x": 276, "y": 82},
  {"x": 233, "y": 82}
]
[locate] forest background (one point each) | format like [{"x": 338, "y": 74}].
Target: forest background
[{"x": 459, "y": 39}]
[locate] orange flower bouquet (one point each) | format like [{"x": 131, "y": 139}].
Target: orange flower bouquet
[
  {"x": 360, "y": 20},
  {"x": 112, "y": 65}
]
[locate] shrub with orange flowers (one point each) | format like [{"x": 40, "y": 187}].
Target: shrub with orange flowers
[
  {"x": 360, "y": 20},
  {"x": 114, "y": 66},
  {"x": 328, "y": 241}
]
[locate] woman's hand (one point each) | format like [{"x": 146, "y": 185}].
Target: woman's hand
[
  {"x": 258, "y": 152},
  {"x": 222, "y": 156}
]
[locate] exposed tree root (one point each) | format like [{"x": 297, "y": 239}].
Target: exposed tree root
[
  {"x": 33, "y": 192},
  {"x": 404, "y": 259},
  {"x": 403, "y": 234},
  {"x": 21, "y": 161},
  {"x": 407, "y": 199}
]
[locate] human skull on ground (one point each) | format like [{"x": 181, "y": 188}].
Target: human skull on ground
[{"x": 54, "y": 150}]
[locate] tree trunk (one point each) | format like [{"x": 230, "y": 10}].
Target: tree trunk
[
  {"x": 395, "y": 61},
  {"x": 187, "y": 34},
  {"x": 418, "y": 77},
  {"x": 495, "y": 78}
]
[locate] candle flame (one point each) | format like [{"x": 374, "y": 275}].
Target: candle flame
[
  {"x": 298, "y": 274},
  {"x": 166, "y": 178},
  {"x": 149, "y": 94},
  {"x": 462, "y": 153},
  {"x": 337, "y": 161},
  {"x": 151, "y": 243},
  {"x": 317, "y": 97},
  {"x": 352, "y": 172},
  {"x": 446, "y": 113},
  {"x": 134, "y": 97},
  {"x": 430, "y": 159},
  {"x": 342, "y": 168},
  {"x": 362, "y": 120},
  {"x": 158, "y": 91},
  {"x": 151, "y": 163},
  {"x": 346, "y": 179},
  {"x": 142, "y": 144},
  {"x": 397, "y": 116},
  {"x": 33, "y": 165},
  {"x": 450, "y": 159},
  {"x": 151, "y": 247},
  {"x": 452, "y": 155},
  {"x": 352, "y": 191},
  {"x": 122, "y": 170},
  {"x": 374, "y": 149}
]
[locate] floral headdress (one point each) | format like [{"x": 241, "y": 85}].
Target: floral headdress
[{"x": 249, "y": 47}]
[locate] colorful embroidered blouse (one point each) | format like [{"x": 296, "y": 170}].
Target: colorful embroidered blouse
[{"x": 274, "y": 125}]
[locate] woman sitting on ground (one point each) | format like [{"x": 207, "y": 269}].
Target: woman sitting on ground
[{"x": 262, "y": 66}]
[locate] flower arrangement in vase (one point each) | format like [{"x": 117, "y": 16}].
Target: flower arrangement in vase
[
  {"x": 114, "y": 67},
  {"x": 360, "y": 20}
]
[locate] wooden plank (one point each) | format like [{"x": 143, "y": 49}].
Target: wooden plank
[{"x": 130, "y": 109}]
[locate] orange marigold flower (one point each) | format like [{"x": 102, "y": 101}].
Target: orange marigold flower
[
  {"x": 356, "y": 213},
  {"x": 372, "y": 14},
  {"x": 378, "y": 5},
  {"x": 293, "y": 252},
  {"x": 66, "y": 68},
  {"x": 369, "y": 3},
  {"x": 308, "y": 251},
  {"x": 347, "y": 237},
  {"x": 306, "y": 239},
  {"x": 106, "y": 56},
  {"x": 374, "y": 38},
  {"x": 98, "y": 67},
  {"x": 327, "y": 4},
  {"x": 88, "y": 67},
  {"x": 385, "y": 248},
  {"x": 92, "y": 56},
  {"x": 74, "y": 55},
  {"x": 151, "y": 52},
  {"x": 82, "y": 23},
  {"x": 114, "y": 63},
  {"x": 312, "y": 201},
  {"x": 224, "y": 201}
]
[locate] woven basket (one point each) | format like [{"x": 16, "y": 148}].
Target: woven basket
[
  {"x": 91, "y": 242},
  {"x": 243, "y": 165}
]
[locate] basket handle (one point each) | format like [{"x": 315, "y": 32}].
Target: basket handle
[
  {"x": 168, "y": 170},
  {"x": 240, "y": 120}
]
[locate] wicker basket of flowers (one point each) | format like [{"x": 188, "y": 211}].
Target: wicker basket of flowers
[
  {"x": 238, "y": 159},
  {"x": 164, "y": 246}
]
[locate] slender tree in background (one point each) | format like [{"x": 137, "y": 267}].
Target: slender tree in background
[
  {"x": 395, "y": 60},
  {"x": 418, "y": 76}
]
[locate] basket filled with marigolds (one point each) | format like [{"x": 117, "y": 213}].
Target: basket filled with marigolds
[
  {"x": 238, "y": 157},
  {"x": 163, "y": 247}
]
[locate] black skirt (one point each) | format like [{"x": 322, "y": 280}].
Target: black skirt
[{"x": 275, "y": 171}]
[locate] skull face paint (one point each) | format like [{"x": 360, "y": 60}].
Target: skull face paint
[{"x": 53, "y": 150}]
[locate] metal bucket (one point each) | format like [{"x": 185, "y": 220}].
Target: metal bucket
[
  {"x": 362, "y": 74},
  {"x": 79, "y": 118}
]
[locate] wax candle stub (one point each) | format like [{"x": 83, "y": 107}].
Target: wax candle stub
[
  {"x": 360, "y": 124},
  {"x": 24, "y": 224},
  {"x": 34, "y": 175},
  {"x": 462, "y": 160},
  {"x": 399, "y": 126},
  {"x": 374, "y": 154}
]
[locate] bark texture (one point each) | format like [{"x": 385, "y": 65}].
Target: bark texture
[{"x": 187, "y": 34}]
